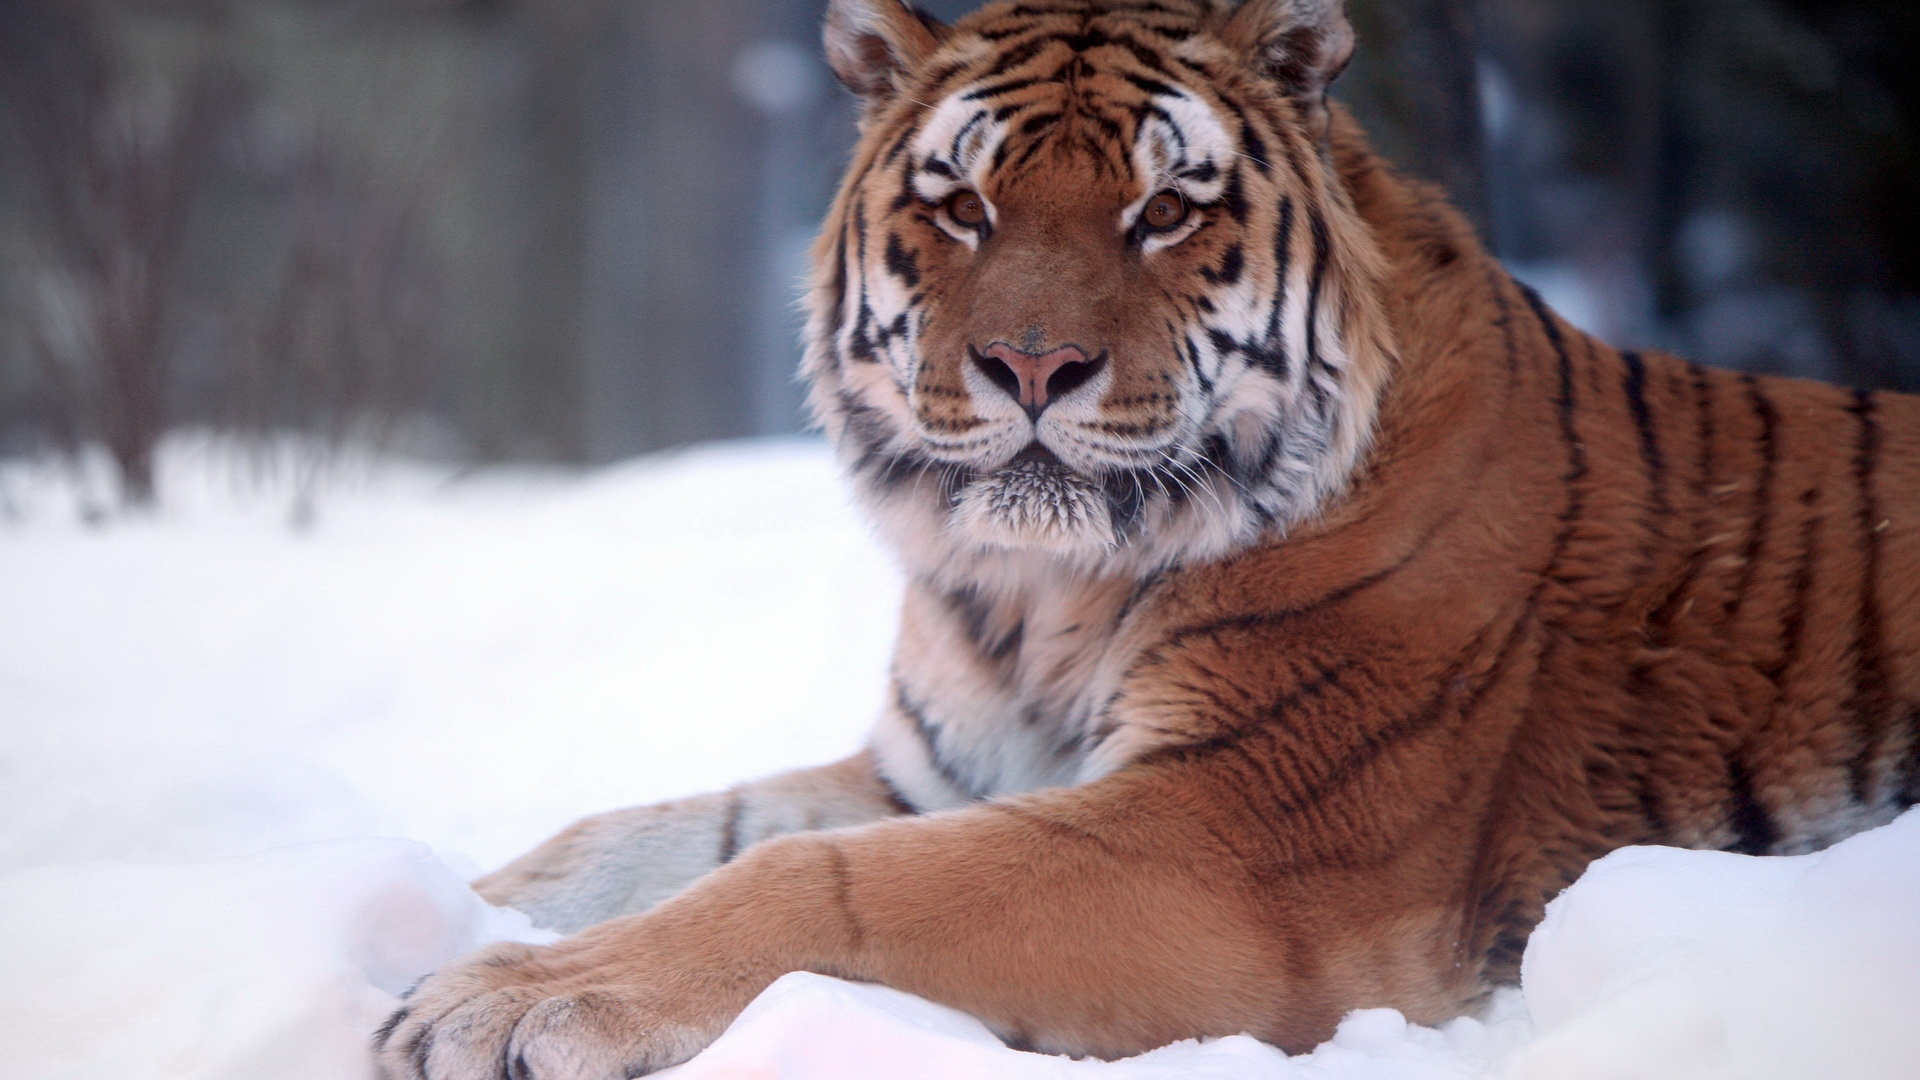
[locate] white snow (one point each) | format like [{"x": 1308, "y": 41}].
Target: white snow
[
  {"x": 1710, "y": 965},
  {"x": 209, "y": 719},
  {"x": 269, "y": 965}
]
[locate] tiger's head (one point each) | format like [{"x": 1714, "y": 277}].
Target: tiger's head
[{"x": 1091, "y": 297}]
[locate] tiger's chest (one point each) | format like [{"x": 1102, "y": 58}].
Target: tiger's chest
[{"x": 995, "y": 693}]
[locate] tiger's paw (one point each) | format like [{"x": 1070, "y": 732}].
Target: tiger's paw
[{"x": 519, "y": 1012}]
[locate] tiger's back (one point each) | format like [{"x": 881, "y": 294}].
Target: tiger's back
[
  {"x": 1588, "y": 597},
  {"x": 1734, "y": 654}
]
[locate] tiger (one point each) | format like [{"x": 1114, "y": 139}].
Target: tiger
[{"x": 1295, "y": 602}]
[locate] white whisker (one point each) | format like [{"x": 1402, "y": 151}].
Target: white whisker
[{"x": 1198, "y": 482}]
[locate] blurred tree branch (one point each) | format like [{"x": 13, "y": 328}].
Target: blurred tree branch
[{"x": 114, "y": 173}]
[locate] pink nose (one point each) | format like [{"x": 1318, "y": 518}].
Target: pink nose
[{"x": 1035, "y": 380}]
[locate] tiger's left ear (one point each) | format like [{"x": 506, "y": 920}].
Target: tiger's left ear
[
  {"x": 873, "y": 44},
  {"x": 1302, "y": 45}
]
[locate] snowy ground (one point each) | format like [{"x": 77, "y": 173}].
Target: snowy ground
[{"x": 213, "y": 726}]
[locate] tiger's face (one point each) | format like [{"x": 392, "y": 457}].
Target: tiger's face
[{"x": 1090, "y": 292}]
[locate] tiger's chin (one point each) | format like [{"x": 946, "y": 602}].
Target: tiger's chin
[{"x": 1035, "y": 503}]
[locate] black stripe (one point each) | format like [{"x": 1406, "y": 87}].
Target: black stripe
[
  {"x": 1675, "y": 601},
  {"x": 1018, "y": 55},
  {"x": 1143, "y": 54},
  {"x": 934, "y": 83},
  {"x": 1504, "y": 320},
  {"x": 1193, "y": 357},
  {"x": 1233, "y": 194},
  {"x": 1276, "y": 345},
  {"x": 1910, "y": 790},
  {"x": 895, "y": 799},
  {"x": 1206, "y": 172},
  {"x": 1428, "y": 714},
  {"x": 1039, "y": 122},
  {"x": 843, "y": 894},
  {"x": 1762, "y": 495},
  {"x": 420, "y": 1048},
  {"x": 901, "y": 262},
  {"x": 955, "y": 148},
  {"x": 860, "y": 345},
  {"x": 1869, "y": 704},
  {"x": 385, "y": 1030},
  {"x": 1032, "y": 150},
  {"x": 893, "y": 153},
  {"x": 1635, "y": 385},
  {"x": 1267, "y": 815},
  {"x": 1179, "y": 133},
  {"x": 1322, "y": 251},
  {"x": 1303, "y": 795},
  {"x": 1140, "y": 590},
  {"x": 1511, "y": 923},
  {"x": 1567, "y": 407},
  {"x": 730, "y": 828},
  {"x": 1325, "y": 677},
  {"x": 1090, "y": 38},
  {"x": 1793, "y": 625},
  {"x": 1290, "y": 149},
  {"x": 1252, "y": 146},
  {"x": 905, "y": 196},
  {"x": 855, "y": 222},
  {"x": 837, "y": 317},
  {"x": 1753, "y": 826},
  {"x": 996, "y": 89},
  {"x": 976, "y": 623},
  {"x": 1006, "y": 32},
  {"x": 924, "y": 730},
  {"x": 1053, "y": 825},
  {"x": 1151, "y": 87},
  {"x": 1275, "y": 618},
  {"x": 1231, "y": 263}
]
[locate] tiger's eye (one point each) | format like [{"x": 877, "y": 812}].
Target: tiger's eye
[
  {"x": 967, "y": 208},
  {"x": 1164, "y": 211}
]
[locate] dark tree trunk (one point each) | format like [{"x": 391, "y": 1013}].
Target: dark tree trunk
[{"x": 1420, "y": 59}]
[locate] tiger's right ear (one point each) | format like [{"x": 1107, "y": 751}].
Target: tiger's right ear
[
  {"x": 872, "y": 44},
  {"x": 1301, "y": 45}
]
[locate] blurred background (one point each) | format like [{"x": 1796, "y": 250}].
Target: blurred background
[{"x": 569, "y": 231}]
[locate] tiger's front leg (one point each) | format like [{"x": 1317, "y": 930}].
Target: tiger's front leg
[
  {"x": 627, "y": 861},
  {"x": 1106, "y": 919}
]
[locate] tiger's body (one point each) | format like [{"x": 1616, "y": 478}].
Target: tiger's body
[{"x": 1335, "y": 607}]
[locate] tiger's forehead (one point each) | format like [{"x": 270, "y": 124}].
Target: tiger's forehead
[{"x": 1146, "y": 134}]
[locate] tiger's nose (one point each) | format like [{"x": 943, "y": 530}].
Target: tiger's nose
[{"x": 1036, "y": 380}]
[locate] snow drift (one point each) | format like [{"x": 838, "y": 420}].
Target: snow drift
[{"x": 205, "y": 716}]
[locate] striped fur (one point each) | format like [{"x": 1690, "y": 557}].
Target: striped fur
[{"x": 1376, "y": 600}]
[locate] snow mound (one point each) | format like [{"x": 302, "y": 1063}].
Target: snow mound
[
  {"x": 204, "y": 713},
  {"x": 273, "y": 965},
  {"x": 1703, "y": 964},
  {"x": 810, "y": 1027}
]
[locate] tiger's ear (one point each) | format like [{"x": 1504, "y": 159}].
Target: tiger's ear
[
  {"x": 1302, "y": 45},
  {"x": 873, "y": 44}
]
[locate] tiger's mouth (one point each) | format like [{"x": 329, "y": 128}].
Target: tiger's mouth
[
  {"x": 1037, "y": 457},
  {"x": 1036, "y": 501}
]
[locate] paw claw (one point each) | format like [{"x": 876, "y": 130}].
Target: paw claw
[{"x": 520, "y": 1013}]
